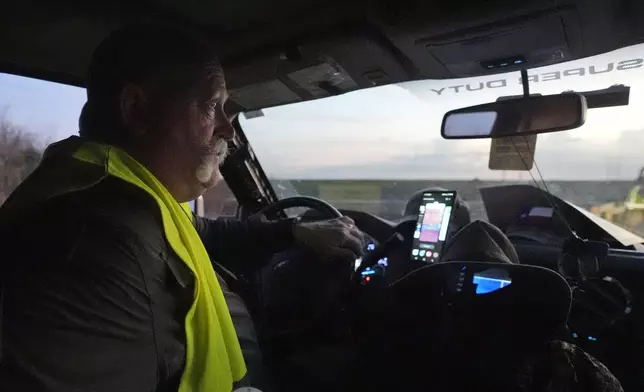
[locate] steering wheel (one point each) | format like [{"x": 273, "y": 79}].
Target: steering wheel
[{"x": 316, "y": 204}]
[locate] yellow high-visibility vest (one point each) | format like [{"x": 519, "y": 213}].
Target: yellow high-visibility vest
[{"x": 213, "y": 356}]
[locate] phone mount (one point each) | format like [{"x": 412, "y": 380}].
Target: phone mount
[
  {"x": 580, "y": 258},
  {"x": 598, "y": 301}
]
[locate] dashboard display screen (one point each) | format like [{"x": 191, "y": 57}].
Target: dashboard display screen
[
  {"x": 486, "y": 284},
  {"x": 434, "y": 216}
]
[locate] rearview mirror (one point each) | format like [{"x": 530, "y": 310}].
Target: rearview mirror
[{"x": 516, "y": 116}]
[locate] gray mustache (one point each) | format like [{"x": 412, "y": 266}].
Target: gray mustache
[{"x": 220, "y": 148}]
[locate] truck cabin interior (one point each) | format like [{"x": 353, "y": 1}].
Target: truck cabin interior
[{"x": 286, "y": 51}]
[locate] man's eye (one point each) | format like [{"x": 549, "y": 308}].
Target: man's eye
[{"x": 210, "y": 108}]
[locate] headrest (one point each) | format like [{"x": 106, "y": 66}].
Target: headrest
[{"x": 480, "y": 319}]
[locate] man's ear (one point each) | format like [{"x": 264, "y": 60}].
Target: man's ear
[{"x": 134, "y": 107}]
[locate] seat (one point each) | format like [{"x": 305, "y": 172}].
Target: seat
[
  {"x": 471, "y": 325},
  {"x": 479, "y": 321}
]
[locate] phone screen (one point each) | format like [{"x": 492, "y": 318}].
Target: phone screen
[{"x": 434, "y": 215}]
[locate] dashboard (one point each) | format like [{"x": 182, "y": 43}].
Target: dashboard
[
  {"x": 515, "y": 208},
  {"x": 618, "y": 343},
  {"x": 538, "y": 233}
]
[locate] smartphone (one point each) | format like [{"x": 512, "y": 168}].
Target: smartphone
[{"x": 434, "y": 216}]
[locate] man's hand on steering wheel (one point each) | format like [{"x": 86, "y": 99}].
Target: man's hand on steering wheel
[{"x": 337, "y": 238}]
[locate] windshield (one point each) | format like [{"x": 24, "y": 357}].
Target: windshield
[{"x": 372, "y": 149}]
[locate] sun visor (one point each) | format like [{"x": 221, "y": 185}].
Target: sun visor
[
  {"x": 324, "y": 80},
  {"x": 264, "y": 94}
]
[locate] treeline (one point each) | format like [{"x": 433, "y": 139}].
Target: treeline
[{"x": 20, "y": 153}]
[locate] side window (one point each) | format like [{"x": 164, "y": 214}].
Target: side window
[
  {"x": 35, "y": 113},
  {"x": 20, "y": 153},
  {"x": 219, "y": 201}
]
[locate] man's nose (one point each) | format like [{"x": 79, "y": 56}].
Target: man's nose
[{"x": 225, "y": 131}]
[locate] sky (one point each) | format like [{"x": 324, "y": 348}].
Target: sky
[{"x": 393, "y": 132}]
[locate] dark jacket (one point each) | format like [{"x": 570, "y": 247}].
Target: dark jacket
[{"x": 94, "y": 299}]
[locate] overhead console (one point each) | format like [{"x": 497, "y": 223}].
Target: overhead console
[
  {"x": 533, "y": 35},
  {"x": 533, "y": 40},
  {"x": 315, "y": 69},
  {"x": 472, "y": 40}
]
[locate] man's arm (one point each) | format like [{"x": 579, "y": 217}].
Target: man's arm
[
  {"x": 232, "y": 241},
  {"x": 76, "y": 311}
]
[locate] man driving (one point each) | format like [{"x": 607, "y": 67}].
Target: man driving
[{"x": 109, "y": 284}]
